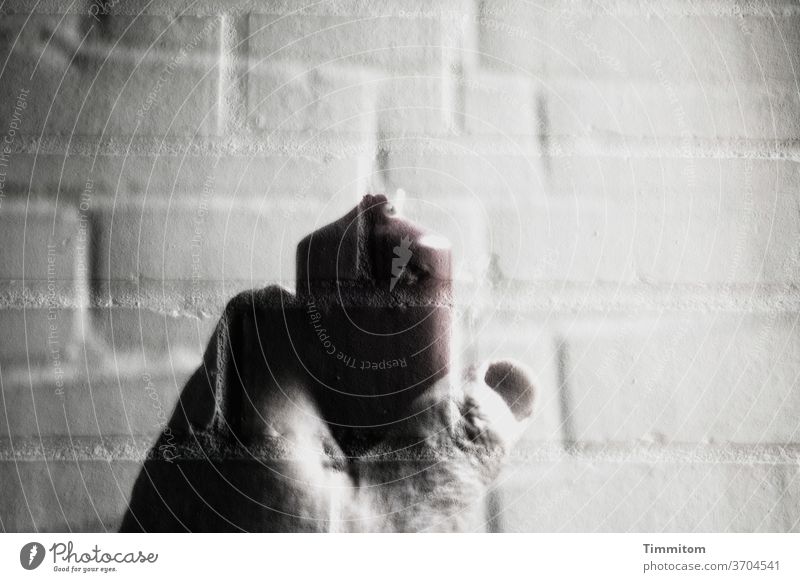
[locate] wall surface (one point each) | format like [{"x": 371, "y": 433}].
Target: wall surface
[{"x": 620, "y": 184}]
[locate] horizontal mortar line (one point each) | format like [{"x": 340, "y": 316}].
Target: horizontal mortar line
[
  {"x": 107, "y": 368},
  {"x": 289, "y": 144},
  {"x": 127, "y": 448},
  {"x": 82, "y": 448},
  {"x": 178, "y": 300},
  {"x": 681, "y": 453},
  {"x": 212, "y": 7},
  {"x": 674, "y": 8},
  {"x": 187, "y": 302},
  {"x": 303, "y": 145},
  {"x": 633, "y": 299}
]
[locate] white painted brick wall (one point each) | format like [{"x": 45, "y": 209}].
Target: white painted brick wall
[{"x": 620, "y": 184}]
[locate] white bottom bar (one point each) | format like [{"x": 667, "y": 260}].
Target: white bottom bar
[{"x": 387, "y": 558}]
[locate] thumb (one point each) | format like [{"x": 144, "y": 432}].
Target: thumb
[{"x": 513, "y": 381}]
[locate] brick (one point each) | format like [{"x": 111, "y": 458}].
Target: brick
[
  {"x": 414, "y": 105},
  {"x": 561, "y": 240},
  {"x": 319, "y": 100},
  {"x": 100, "y": 87},
  {"x": 703, "y": 240},
  {"x": 500, "y": 335},
  {"x": 147, "y": 339},
  {"x": 666, "y": 180},
  {"x": 184, "y": 177},
  {"x": 210, "y": 239},
  {"x": 385, "y": 41},
  {"x": 474, "y": 177},
  {"x": 723, "y": 49},
  {"x": 470, "y": 172},
  {"x": 702, "y": 379},
  {"x": 65, "y": 496},
  {"x": 598, "y": 496},
  {"x": 39, "y": 241},
  {"x": 685, "y": 110},
  {"x": 105, "y": 401},
  {"x": 498, "y": 104},
  {"x": 196, "y": 35},
  {"x": 43, "y": 336}
]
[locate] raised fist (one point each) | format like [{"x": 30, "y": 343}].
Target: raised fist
[{"x": 335, "y": 409}]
